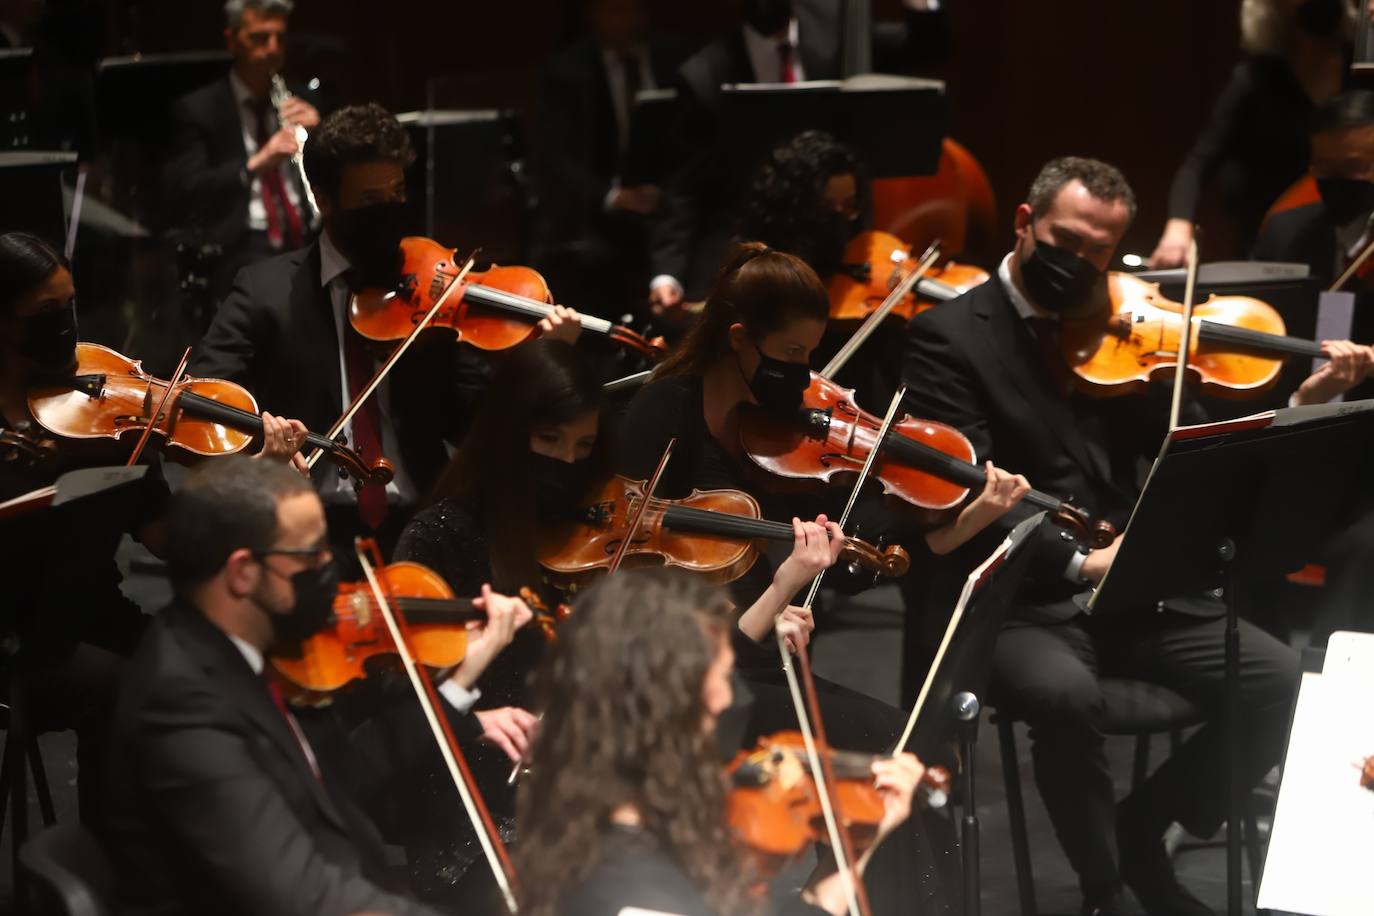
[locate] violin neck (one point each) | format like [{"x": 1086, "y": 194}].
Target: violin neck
[
  {"x": 209, "y": 409},
  {"x": 421, "y": 611},
  {"x": 1257, "y": 341},
  {"x": 704, "y": 521},
  {"x": 492, "y": 297}
]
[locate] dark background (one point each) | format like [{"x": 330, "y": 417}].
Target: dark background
[{"x": 1128, "y": 82}]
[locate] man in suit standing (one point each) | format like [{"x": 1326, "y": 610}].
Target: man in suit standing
[
  {"x": 218, "y": 803},
  {"x": 988, "y": 363},
  {"x": 230, "y": 178},
  {"x": 779, "y": 41},
  {"x": 594, "y": 211}
]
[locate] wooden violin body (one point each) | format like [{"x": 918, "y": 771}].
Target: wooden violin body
[
  {"x": 496, "y": 309},
  {"x": 437, "y": 624},
  {"x": 714, "y": 533},
  {"x": 1236, "y": 349},
  {"x": 875, "y": 262}
]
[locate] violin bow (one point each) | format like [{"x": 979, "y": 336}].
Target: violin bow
[
  {"x": 172, "y": 384},
  {"x": 808, "y": 712},
  {"x": 636, "y": 517},
  {"x": 492, "y": 847},
  {"x": 1354, "y": 267},
  {"x": 385, "y": 368},
  {"x": 1185, "y": 335},
  {"x": 878, "y": 315}
]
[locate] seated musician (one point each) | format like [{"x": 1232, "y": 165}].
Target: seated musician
[
  {"x": 539, "y": 435},
  {"x": 624, "y": 805},
  {"x": 217, "y": 800},
  {"x": 231, "y": 180},
  {"x": 283, "y": 332},
  {"x": 987, "y": 364},
  {"x": 74, "y": 630}
]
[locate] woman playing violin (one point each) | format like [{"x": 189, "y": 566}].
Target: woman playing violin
[{"x": 625, "y": 806}]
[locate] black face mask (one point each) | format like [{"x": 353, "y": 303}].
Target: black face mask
[
  {"x": 768, "y": 17},
  {"x": 315, "y": 590},
  {"x": 836, "y": 230},
  {"x": 49, "y": 342},
  {"x": 558, "y": 484},
  {"x": 778, "y": 386},
  {"x": 371, "y": 239},
  {"x": 1346, "y": 199},
  {"x": 1059, "y": 281},
  {"x": 1320, "y": 17}
]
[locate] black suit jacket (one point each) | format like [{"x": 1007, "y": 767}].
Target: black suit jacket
[
  {"x": 693, "y": 233},
  {"x": 275, "y": 335},
  {"x": 973, "y": 363},
  {"x": 213, "y": 807}
]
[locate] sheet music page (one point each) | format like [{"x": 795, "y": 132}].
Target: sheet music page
[{"x": 1320, "y": 854}]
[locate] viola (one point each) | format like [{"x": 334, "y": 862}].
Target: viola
[
  {"x": 711, "y": 532},
  {"x": 1236, "y": 348},
  {"x": 773, "y": 806},
  {"x": 110, "y": 395},
  {"x": 927, "y": 464},
  {"x": 875, "y": 262},
  {"x": 495, "y": 309},
  {"x": 437, "y": 624}
]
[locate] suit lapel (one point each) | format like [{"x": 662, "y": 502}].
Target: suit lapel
[
  {"x": 1009, "y": 346},
  {"x": 309, "y": 298},
  {"x": 229, "y": 120},
  {"x": 225, "y": 666}
]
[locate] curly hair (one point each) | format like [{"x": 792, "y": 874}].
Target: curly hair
[
  {"x": 623, "y": 713},
  {"x": 350, "y": 136},
  {"x": 1103, "y": 181},
  {"x": 763, "y": 289},
  {"x": 786, "y": 207}
]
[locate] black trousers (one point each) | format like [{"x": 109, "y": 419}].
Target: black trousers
[{"x": 1048, "y": 674}]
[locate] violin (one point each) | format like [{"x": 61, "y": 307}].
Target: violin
[
  {"x": 711, "y": 532},
  {"x": 773, "y": 807},
  {"x": 927, "y": 464},
  {"x": 875, "y": 262},
  {"x": 111, "y": 395},
  {"x": 496, "y": 309},
  {"x": 21, "y": 447},
  {"x": 1236, "y": 349},
  {"x": 437, "y": 624}
]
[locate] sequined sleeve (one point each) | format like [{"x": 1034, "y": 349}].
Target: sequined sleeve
[{"x": 446, "y": 538}]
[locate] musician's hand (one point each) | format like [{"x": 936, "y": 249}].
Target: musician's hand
[
  {"x": 505, "y": 615},
  {"x": 563, "y": 324},
  {"x": 297, "y": 110},
  {"x": 510, "y": 728},
  {"x": 642, "y": 199},
  {"x": 797, "y": 625},
  {"x": 278, "y": 148},
  {"x": 1350, "y": 364},
  {"x": 1096, "y": 564},
  {"x": 1172, "y": 250},
  {"x": 1001, "y": 491},
  {"x": 815, "y": 547},
  {"x": 896, "y": 779},
  {"x": 282, "y": 439}
]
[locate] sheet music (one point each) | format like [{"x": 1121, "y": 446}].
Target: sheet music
[{"x": 1323, "y": 837}]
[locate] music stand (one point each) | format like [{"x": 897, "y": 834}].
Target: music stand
[
  {"x": 1223, "y": 502},
  {"x": 31, "y": 184}
]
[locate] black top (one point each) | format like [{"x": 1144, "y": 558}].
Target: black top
[
  {"x": 634, "y": 870},
  {"x": 1254, "y": 146}
]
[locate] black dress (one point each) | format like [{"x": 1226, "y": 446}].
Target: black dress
[{"x": 904, "y": 875}]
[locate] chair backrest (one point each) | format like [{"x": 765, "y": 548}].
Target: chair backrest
[{"x": 67, "y": 861}]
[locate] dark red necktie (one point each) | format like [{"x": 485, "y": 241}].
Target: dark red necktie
[
  {"x": 274, "y": 691},
  {"x": 367, "y": 424},
  {"x": 274, "y": 197},
  {"x": 789, "y": 73}
]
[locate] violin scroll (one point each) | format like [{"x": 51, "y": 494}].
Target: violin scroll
[
  {"x": 20, "y": 446},
  {"x": 350, "y": 462},
  {"x": 891, "y": 562},
  {"x": 1098, "y": 533}
]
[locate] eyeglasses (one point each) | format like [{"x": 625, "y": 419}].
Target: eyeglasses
[{"x": 315, "y": 554}]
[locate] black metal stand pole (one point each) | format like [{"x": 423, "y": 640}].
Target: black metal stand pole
[
  {"x": 967, "y": 710},
  {"x": 1226, "y": 552}
]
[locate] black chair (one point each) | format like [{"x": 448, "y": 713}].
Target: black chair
[
  {"x": 1133, "y": 708},
  {"x": 71, "y": 870}
]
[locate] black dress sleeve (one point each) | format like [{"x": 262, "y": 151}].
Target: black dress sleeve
[
  {"x": 447, "y": 538},
  {"x": 1214, "y": 145}
]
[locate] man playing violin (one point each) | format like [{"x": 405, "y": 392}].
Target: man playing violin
[
  {"x": 283, "y": 332},
  {"x": 989, "y": 364},
  {"x": 219, "y": 803}
]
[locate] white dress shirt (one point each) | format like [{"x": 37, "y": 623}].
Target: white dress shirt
[
  {"x": 257, "y": 210},
  {"x": 613, "y": 62},
  {"x": 764, "y": 57}
]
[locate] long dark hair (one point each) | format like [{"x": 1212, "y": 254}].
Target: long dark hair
[
  {"x": 764, "y": 290},
  {"x": 26, "y": 261},
  {"x": 542, "y": 382},
  {"x": 623, "y": 714}
]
